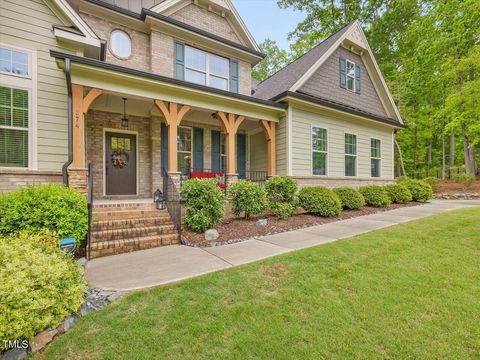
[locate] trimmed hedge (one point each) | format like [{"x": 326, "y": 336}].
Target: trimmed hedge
[
  {"x": 248, "y": 198},
  {"x": 398, "y": 193},
  {"x": 351, "y": 198},
  {"x": 375, "y": 196},
  {"x": 420, "y": 190},
  {"x": 41, "y": 285},
  {"x": 204, "y": 203},
  {"x": 321, "y": 201},
  {"x": 433, "y": 182},
  {"x": 281, "y": 196},
  {"x": 56, "y": 208}
]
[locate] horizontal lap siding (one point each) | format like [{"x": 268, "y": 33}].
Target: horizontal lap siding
[
  {"x": 28, "y": 24},
  {"x": 281, "y": 145},
  {"x": 301, "y": 144},
  {"x": 258, "y": 152}
]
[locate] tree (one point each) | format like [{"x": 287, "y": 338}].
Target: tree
[{"x": 275, "y": 59}]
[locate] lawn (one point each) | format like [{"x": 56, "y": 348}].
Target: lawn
[{"x": 410, "y": 291}]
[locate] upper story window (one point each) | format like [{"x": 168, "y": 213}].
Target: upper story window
[
  {"x": 120, "y": 44},
  {"x": 350, "y": 75},
  {"x": 14, "y": 62},
  {"x": 206, "y": 69}
]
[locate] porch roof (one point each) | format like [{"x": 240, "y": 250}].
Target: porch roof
[{"x": 119, "y": 79}]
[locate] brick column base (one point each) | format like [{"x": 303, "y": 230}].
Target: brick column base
[
  {"x": 176, "y": 178},
  {"x": 78, "y": 180}
]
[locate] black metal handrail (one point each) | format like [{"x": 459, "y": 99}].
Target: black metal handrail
[
  {"x": 171, "y": 196},
  {"x": 259, "y": 177},
  {"x": 90, "y": 207}
]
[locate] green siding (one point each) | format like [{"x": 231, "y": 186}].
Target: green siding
[
  {"x": 258, "y": 152},
  {"x": 281, "y": 145},
  {"x": 28, "y": 24}
]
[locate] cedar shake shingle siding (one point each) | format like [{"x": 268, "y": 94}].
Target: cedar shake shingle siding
[{"x": 325, "y": 83}]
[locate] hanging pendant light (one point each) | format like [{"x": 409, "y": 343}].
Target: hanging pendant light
[{"x": 125, "y": 118}]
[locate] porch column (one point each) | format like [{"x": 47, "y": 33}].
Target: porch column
[
  {"x": 173, "y": 116},
  {"x": 269, "y": 131},
  {"x": 80, "y": 105},
  {"x": 230, "y": 123}
]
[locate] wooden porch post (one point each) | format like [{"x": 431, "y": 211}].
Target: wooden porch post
[
  {"x": 230, "y": 123},
  {"x": 269, "y": 131},
  {"x": 173, "y": 117}
]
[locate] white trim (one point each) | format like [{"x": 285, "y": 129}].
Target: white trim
[
  {"x": 289, "y": 119},
  {"x": 354, "y": 90},
  {"x": 327, "y": 165},
  {"x": 75, "y": 18},
  {"x": 137, "y": 162},
  {"x": 345, "y": 154},
  {"x": 393, "y": 155},
  {"x": 28, "y": 52},
  {"x": 376, "y": 158}
]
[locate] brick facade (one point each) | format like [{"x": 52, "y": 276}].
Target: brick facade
[
  {"x": 11, "y": 180},
  {"x": 333, "y": 182}
]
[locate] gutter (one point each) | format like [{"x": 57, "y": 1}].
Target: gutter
[{"x": 70, "y": 123}]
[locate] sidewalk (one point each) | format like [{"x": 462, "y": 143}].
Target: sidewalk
[{"x": 147, "y": 268}]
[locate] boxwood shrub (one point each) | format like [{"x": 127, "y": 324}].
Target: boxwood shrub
[
  {"x": 435, "y": 183},
  {"x": 204, "y": 203},
  {"x": 375, "y": 196},
  {"x": 351, "y": 198},
  {"x": 41, "y": 285},
  {"x": 281, "y": 196},
  {"x": 398, "y": 193},
  {"x": 420, "y": 190},
  {"x": 319, "y": 200},
  {"x": 248, "y": 198},
  {"x": 56, "y": 208}
]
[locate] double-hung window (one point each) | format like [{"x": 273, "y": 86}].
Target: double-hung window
[
  {"x": 350, "y": 75},
  {"x": 319, "y": 151},
  {"x": 376, "y": 157},
  {"x": 350, "y": 154},
  {"x": 206, "y": 69},
  {"x": 14, "y": 62},
  {"x": 184, "y": 149}
]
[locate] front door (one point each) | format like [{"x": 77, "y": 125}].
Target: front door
[{"x": 120, "y": 164}]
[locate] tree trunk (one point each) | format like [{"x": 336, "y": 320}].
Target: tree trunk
[
  {"x": 451, "y": 157},
  {"x": 443, "y": 149},
  {"x": 469, "y": 153},
  {"x": 429, "y": 154},
  {"x": 400, "y": 156},
  {"x": 415, "y": 150}
]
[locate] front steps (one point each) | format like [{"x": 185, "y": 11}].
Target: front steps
[{"x": 120, "y": 227}]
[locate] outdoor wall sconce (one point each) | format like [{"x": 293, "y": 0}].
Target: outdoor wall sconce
[
  {"x": 159, "y": 199},
  {"x": 125, "y": 118}
]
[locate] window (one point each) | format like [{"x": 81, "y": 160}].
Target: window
[
  {"x": 14, "y": 116},
  {"x": 14, "y": 62},
  {"x": 223, "y": 152},
  {"x": 206, "y": 69},
  {"x": 184, "y": 149},
  {"x": 350, "y": 75},
  {"x": 120, "y": 44},
  {"x": 319, "y": 151},
  {"x": 376, "y": 157},
  {"x": 350, "y": 155}
]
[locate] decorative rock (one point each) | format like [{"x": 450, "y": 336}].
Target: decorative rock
[
  {"x": 42, "y": 339},
  {"x": 15, "y": 354},
  {"x": 82, "y": 261},
  {"x": 115, "y": 296},
  {"x": 211, "y": 235},
  {"x": 262, "y": 222},
  {"x": 67, "y": 324}
]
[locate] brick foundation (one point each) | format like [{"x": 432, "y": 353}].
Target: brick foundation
[
  {"x": 78, "y": 180},
  {"x": 332, "y": 182},
  {"x": 11, "y": 180}
]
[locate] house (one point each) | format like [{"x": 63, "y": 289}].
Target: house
[{"x": 136, "y": 87}]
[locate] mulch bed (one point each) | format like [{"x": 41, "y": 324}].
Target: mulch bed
[
  {"x": 452, "y": 187},
  {"x": 235, "y": 230}
]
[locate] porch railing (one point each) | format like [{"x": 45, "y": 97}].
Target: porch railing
[
  {"x": 90, "y": 208},
  {"x": 172, "y": 200},
  {"x": 259, "y": 177}
]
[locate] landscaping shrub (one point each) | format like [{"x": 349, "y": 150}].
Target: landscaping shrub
[
  {"x": 433, "y": 182},
  {"x": 56, "y": 208},
  {"x": 41, "y": 285},
  {"x": 398, "y": 193},
  {"x": 375, "y": 196},
  {"x": 281, "y": 196},
  {"x": 401, "y": 179},
  {"x": 351, "y": 198},
  {"x": 321, "y": 201},
  {"x": 419, "y": 189},
  {"x": 204, "y": 203},
  {"x": 466, "y": 180},
  {"x": 248, "y": 198}
]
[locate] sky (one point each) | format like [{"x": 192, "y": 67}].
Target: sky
[{"x": 265, "y": 19}]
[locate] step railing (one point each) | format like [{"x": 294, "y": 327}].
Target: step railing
[
  {"x": 90, "y": 208},
  {"x": 171, "y": 197}
]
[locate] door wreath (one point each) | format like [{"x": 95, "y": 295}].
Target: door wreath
[{"x": 120, "y": 159}]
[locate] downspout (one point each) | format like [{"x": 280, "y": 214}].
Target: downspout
[{"x": 70, "y": 123}]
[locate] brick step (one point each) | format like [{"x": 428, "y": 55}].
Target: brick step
[
  {"x": 106, "y": 248},
  {"x": 131, "y": 223},
  {"x": 130, "y": 233},
  {"x": 124, "y": 206},
  {"x": 105, "y": 215}
]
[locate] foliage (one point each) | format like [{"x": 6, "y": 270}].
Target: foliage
[
  {"x": 281, "y": 196},
  {"x": 434, "y": 183},
  {"x": 467, "y": 180},
  {"x": 204, "y": 203},
  {"x": 41, "y": 285},
  {"x": 56, "y": 208},
  {"x": 248, "y": 197},
  {"x": 420, "y": 190},
  {"x": 319, "y": 200},
  {"x": 275, "y": 59},
  {"x": 398, "y": 193},
  {"x": 401, "y": 179},
  {"x": 375, "y": 196},
  {"x": 351, "y": 198}
]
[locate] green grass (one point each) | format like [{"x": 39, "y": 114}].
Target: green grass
[{"x": 411, "y": 291}]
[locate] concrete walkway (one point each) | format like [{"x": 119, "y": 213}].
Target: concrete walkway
[{"x": 147, "y": 268}]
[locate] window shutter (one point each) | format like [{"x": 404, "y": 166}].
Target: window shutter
[
  {"x": 179, "y": 60},
  {"x": 357, "y": 78},
  {"x": 343, "y": 73},
  {"x": 234, "y": 76},
  {"x": 216, "y": 150},
  {"x": 197, "y": 149},
  {"x": 164, "y": 147},
  {"x": 241, "y": 158}
]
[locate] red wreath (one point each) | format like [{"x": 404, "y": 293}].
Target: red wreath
[{"x": 120, "y": 159}]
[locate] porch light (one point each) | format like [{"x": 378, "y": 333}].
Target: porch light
[
  {"x": 159, "y": 199},
  {"x": 125, "y": 119}
]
